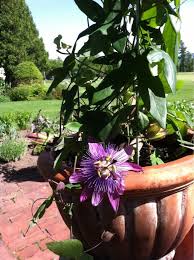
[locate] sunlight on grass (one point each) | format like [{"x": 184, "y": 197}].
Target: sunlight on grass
[
  {"x": 186, "y": 92},
  {"x": 49, "y": 108}
]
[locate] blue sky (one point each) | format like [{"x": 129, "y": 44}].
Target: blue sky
[{"x": 63, "y": 17}]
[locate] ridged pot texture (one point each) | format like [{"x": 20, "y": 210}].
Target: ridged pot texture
[{"x": 155, "y": 213}]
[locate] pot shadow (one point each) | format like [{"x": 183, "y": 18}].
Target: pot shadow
[{"x": 22, "y": 175}]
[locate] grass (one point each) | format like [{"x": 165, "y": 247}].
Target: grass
[
  {"x": 186, "y": 92},
  {"x": 187, "y": 76},
  {"x": 50, "y": 108}
]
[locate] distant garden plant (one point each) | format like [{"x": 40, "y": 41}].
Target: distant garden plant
[
  {"x": 12, "y": 149},
  {"x": 18, "y": 120},
  {"x": 27, "y": 73},
  {"x": 22, "y": 92}
]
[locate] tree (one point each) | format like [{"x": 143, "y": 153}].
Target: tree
[
  {"x": 53, "y": 64},
  {"x": 19, "y": 38},
  {"x": 186, "y": 60}
]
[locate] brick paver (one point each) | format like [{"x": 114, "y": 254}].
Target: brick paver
[{"x": 16, "y": 199}]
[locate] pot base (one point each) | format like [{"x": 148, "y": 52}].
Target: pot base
[{"x": 169, "y": 256}]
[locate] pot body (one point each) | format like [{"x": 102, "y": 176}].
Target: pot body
[{"x": 154, "y": 215}]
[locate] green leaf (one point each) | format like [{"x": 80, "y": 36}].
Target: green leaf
[
  {"x": 102, "y": 94},
  {"x": 92, "y": 28},
  {"x": 109, "y": 59},
  {"x": 155, "y": 160},
  {"x": 155, "y": 15},
  {"x": 68, "y": 106},
  {"x": 102, "y": 46},
  {"x": 69, "y": 62},
  {"x": 170, "y": 9},
  {"x": 158, "y": 108},
  {"x": 113, "y": 14},
  {"x": 166, "y": 69},
  {"x": 177, "y": 3},
  {"x": 41, "y": 210},
  {"x": 70, "y": 145},
  {"x": 178, "y": 124},
  {"x": 143, "y": 120},
  {"x": 67, "y": 248},
  {"x": 105, "y": 132},
  {"x": 61, "y": 73},
  {"x": 171, "y": 40},
  {"x": 151, "y": 91},
  {"x": 94, "y": 121},
  {"x": 112, "y": 128},
  {"x": 91, "y": 9},
  {"x": 120, "y": 44},
  {"x": 73, "y": 126},
  {"x": 58, "y": 161}
]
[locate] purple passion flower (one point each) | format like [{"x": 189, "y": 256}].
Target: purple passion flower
[{"x": 101, "y": 171}]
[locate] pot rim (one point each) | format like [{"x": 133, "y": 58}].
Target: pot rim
[{"x": 164, "y": 178}]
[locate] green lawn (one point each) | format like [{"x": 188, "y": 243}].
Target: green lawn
[
  {"x": 187, "y": 76},
  {"x": 186, "y": 92},
  {"x": 50, "y": 108}
]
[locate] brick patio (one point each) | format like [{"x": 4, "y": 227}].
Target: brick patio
[{"x": 16, "y": 199}]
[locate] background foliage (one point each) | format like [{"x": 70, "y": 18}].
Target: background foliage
[{"x": 19, "y": 38}]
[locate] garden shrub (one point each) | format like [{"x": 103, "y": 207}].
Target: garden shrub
[
  {"x": 4, "y": 98},
  {"x": 23, "y": 120},
  {"x": 19, "y": 120},
  {"x": 6, "y": 130},
  {"x": 27, "y": 73},
  {"x": 38, "y": 91},
  {"x": 4, "y": 88},
  {"x": 56, "y": 93},
  {"x": 21, "y": 93},
  {"x": 2, "y": 129},
  {"x": 28, "y": 92},
  {"x": 12, "y": 149}
]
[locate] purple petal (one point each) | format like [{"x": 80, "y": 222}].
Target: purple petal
[
  {"x": 123, "y": 155},
  {"x": 97, "y": 198},
  {"x": 114, "y": 199},
  {"x": 110, "y": 150},
  {"x": 120, "y": 187},
  {"x": 96, "y": 150},
  {"x": 86, "y": 193},
  {"x": 126, "y": 166},
  {"x": 76, "y": 177}
]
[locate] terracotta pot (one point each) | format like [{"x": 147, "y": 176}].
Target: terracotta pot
[{"x": 155, "y": 213}]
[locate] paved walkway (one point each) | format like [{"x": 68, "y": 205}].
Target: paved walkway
[{"x": 18, "y": 190}]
